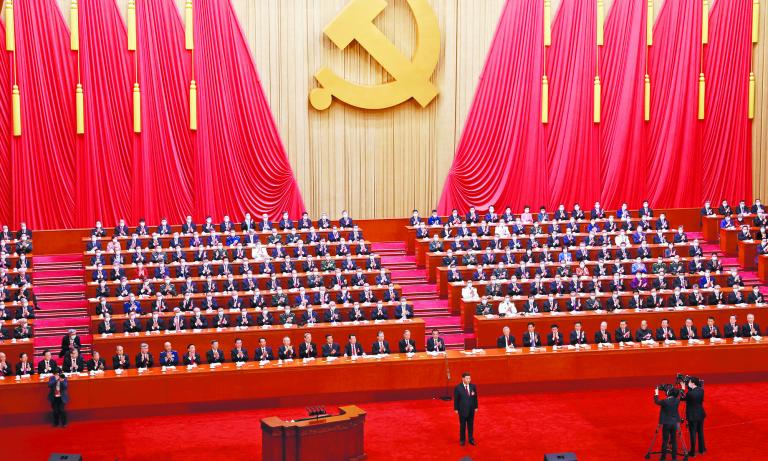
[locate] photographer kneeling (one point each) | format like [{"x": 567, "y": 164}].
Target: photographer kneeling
[
  {"x": 669, "y": 419},
  {"x": 694, "y": 412}
]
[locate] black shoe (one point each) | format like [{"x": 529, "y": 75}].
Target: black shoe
[
  {"x": 462, "y": 443},
  {"x": 471, "y": 441},
  {"x": 702, "y": 452},
  {"x": 691, "y": 454}
]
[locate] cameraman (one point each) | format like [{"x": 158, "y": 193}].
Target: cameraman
[
  {"x": 694, "y": 413},
  {"x": 58, "y": 395},
  {"x": 669, "y": 419}
]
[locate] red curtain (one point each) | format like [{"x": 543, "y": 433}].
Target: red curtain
[
  {"x": 6, "y": 208},
  {"x": 727, "y": 147},
  {"x": 42, "y": 158},
  {"x": 501, "y": 151},
  {"x": 622, "y": 135},
  {"x": 573, "y": 157},
  {"x": 163, "y": 157},
  {"x": 104, "y": 152},
  {"x": 674, "y": 172},
  {"x": 241, "y": 164}
]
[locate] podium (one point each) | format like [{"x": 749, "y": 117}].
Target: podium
[{"x": 330, "y": 438}]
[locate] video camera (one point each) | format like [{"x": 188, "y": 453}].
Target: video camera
[{"x": 685, "y": 379}]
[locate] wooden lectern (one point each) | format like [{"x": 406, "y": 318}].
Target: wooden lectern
[{"x": 330, "y": 438}]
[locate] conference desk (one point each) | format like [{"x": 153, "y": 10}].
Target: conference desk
[
  {"x": 762, "y": 268},
  {"x": 365, "y": 332},
  {"x": 454, "y": 288},
  {"x": 488, "y": 329},
  {"x": 710, "y": 228},
  {"x": 435, "y": 259},
  {"x": 392, "y": 377},
  {"x": 748, "y": 254},
  {"x": 13, "y": 348},
  {"x": 222, "y": 298},
  {"x": 729, "y": 239},
  {"x": 468, "y": 308}
]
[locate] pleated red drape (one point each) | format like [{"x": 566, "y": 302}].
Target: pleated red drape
[
  {"x": 622, "y": 135},
  {"x": 499, "y": 157},
  {"x": 727, "y": 147},
  {"x": 675, "y": 167},
  {"x": 673, "y": 160},
  {"x": 42, "y": 159},
  {"x": 573, "y": 157},
  {"x": 241, "y": 164},
  {"x": 163, "y": 157},
  {"x": 104, "y": 153},
  {"x": 6, "y": 214}
]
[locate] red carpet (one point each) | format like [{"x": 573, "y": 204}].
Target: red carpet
[{"x": 597, "y": 425}]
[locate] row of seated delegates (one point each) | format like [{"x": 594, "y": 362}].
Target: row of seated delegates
[
  {"x": 168, "y": 357},
  {"x": 16, "y": 243},
  {"x": 304, "y": 315},
  {"x": 224, "y": 265},
  {"x": 279, "y": 296},
  {"x": 505, "y": 230},
  {"x": 208, "y": 227},
  {"x": 565, "y": 278},
  {"x": 164, "y": 282},
  {"x": 23, "y": 310},
  {"x": 21, "y": 331},
  {"x": 624, "y": 334},
  {"x": 233, "y": 241},
  {"x": 527, "y": 217},
  {"x": 725, "y": 209},
  {"x": 572, "y": 302}
]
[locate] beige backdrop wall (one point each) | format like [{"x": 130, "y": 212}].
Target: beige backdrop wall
[{"x": 384, "y": 163}]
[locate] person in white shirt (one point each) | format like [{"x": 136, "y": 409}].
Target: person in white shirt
[
  {"x": 507, "y": 308},
  {"x": 469, "y": 292},
  {"x": 259, "y": 251},
  {"x": 622, "y": 238},
  {"x": 501, "y": 229}
]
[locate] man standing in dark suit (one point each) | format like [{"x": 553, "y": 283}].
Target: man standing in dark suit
[
  {"x": 669, "y": 419},
  {"x": 465, "y": 405},
  {"x": 694, "y": 413},
  {"x": 69, "y": 342},
  {"x": 58, "y": 395}
]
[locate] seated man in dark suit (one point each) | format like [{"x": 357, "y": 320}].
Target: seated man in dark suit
[
  {"x": 664, "y": 332},
  {"x": 330, "y": 348},
  {"x": 73, "y": 362},
  {"x": 531, "y": 337},
  {"x": 435, "y": 343},
  {"x": 506, "y": 340},
  {"x": 96, "y": 363},
  {"x": 307, "y": 349},
  {"x": 215, "y": 355},
  {"x": 407, "y": 345},
  {"x": 555, "y": 338},
  {"x": 191, "y": 357},
  {"x": 710, "y": 330},
  {"x": 578, "y": 335},
  {"x": 239, "y": 353},
  {"x": 286, "y": 350},
  {"x": 263, "y": 352},
  {"x": 688, "y": 331},
  {"x": 603, "y": 336},
  {"x": 353, "y": 349},
  {"x": 380, "y": 346},
  {"x": 47, "y": 365},
  {"x": 144, "y": 358},
  {"x": 643, "y": 333},
  {"x": 750, "y": 328},
  {"x": 403, "y": 310}
]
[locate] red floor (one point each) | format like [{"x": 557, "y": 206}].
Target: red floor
[{"x": 597, "y": 425}]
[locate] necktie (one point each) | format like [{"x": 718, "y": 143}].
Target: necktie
[{"x": 466, "y": 386}]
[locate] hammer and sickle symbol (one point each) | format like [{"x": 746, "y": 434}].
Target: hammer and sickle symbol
[{"x": 411, "y": 77}]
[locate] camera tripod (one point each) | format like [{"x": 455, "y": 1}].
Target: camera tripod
[{"x": 680, "y": 443}]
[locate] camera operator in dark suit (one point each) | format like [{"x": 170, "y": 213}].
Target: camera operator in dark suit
[
  {"x": 669, "y": 420},
  {"x": 465, "y": 405},
  {"x": 694, "y": 413}
]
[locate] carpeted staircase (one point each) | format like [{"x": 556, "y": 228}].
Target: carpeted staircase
[
  {"x": 422, "y": 294},
  {"x": 60, "y": 293}
]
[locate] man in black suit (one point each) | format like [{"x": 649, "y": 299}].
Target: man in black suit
[
  {"x": 407, "y": 345},
  {"x": 47, "y": 365},
  {"x": 669, "y": 419},
  {"x": 307, "y": 349},
  {"x": 695, "y": 414},
  {"x": 68, "y": 342},
  {"x": 380, "y": 346},
  {"x": 506, "y": 340},
  {"x": 215, "y": 355},
  {"x": 465, "y": 405},
  {"x": 330, "y": 348},
  {"x": 530, "y": 337},
  {"x": 58, "y": 396},
  {"x": 435, "y": 343},
  {"x": 353, "y": 348}
]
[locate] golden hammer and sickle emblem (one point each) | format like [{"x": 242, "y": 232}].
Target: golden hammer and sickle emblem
[{"x": 411, "y": 77}]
